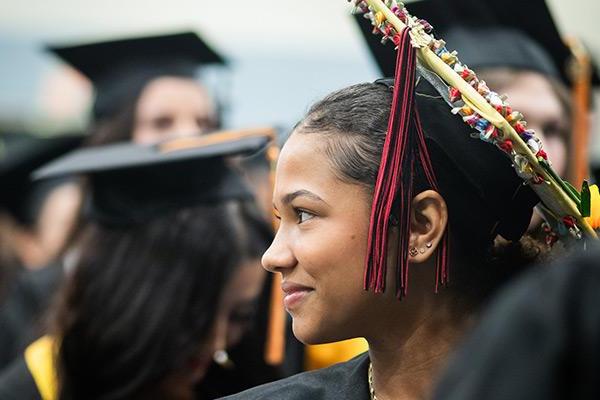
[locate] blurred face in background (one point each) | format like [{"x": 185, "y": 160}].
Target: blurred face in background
[
  {"x": 538, "y": 99},
  {"x": 170, "y": 107}
]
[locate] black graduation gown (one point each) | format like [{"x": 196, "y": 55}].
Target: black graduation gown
[
  {"x": 22, "y": 310},
  {"x": 346, "y": 381},
  {"x": 540, "y": 339},
  {"x": 16, "y": 382}
]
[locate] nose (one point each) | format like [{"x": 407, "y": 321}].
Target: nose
[
  {"x": 555, "y": 146},
  {"x": 279, "y": 255},
  {"x": 186, "y": 127}
]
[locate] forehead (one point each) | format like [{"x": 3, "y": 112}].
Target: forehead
[
  {"x": 534, "y": 93},
  {"x": 304, "y": 165},
  {"x": 172, "y": 90},
  {"x": 303, "y": 160}
]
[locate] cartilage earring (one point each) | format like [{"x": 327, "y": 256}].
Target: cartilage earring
[{"x": 413, "y": 252}]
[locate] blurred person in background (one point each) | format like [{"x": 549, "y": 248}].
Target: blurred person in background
[
  {"x": 21, "y": 200},
  {"x": 147, "y": 88},
  {"x": 22, "y": 291},
  {"x": 146, "y": 91},
  {"x": 168, "y": 274}
]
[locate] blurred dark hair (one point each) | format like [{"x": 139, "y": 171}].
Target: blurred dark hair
[
  {"x": 354, "y": 122},
  {"x": 9, "y": 262},
  {"x": 142, "y": 300}
]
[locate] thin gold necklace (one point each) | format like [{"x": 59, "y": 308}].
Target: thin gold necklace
[{"x": 371, "y": 386}]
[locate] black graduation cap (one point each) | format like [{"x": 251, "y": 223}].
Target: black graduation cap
[
  {"x": 119, "y": 69},
  {"x": 20, "y": 154},
  {"x": 475, "y": 178},
  {"x": 488, "y": 33},
  {"x": 131, "y": 183}
]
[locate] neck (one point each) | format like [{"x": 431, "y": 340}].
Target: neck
[{"x": 405, "y": 366}]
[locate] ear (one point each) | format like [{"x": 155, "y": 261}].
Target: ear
[{"x": 428, "y": 221}]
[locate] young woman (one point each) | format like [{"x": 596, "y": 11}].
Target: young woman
[
  {"x": 167, "y": 275},
  {"x": 324, "y": 190},
  {"x": 146, "y": 90},
  {"x": 141, "y": 97}
]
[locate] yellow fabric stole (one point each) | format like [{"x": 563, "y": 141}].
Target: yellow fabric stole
[
  {"x": 324, "y": 355},
  {"x": 40, "y": 360}
]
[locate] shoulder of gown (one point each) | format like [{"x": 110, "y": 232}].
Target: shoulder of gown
[
  {"x": 22, "y": 309},
  {"x": 347, "y": 380},
  {"x": 539, "y": 339},
  {"x": 17, "y": 383}
]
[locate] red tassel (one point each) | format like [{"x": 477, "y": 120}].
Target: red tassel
[{"x": 404, "y": 146}]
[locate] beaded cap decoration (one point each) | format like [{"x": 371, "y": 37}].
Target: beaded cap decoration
[{"x": 570, "y": 213}]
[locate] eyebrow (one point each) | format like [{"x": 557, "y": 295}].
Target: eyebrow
[{"x": 288, "y": 198}]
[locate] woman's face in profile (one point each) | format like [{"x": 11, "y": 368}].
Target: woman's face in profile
[
  {"x": 171, "y": 107},
  {"x": 320, "y": 245}
]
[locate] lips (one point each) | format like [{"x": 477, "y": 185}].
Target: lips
[{"x": 294, "y": 294}]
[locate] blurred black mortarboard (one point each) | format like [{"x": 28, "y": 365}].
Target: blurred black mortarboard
[
  {"x": 20, "y": 154},
  {"x": 119, "y": 69},
  {"x": 131, "y": 183},
  {"x": 511, "y": 33}
]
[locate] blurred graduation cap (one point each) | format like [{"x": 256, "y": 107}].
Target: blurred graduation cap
[
  {"x": 20, "y": 154},
  {"x": 487, "y": 33},
  {"x": 119, "y": 69},
  {"x": 130, "y": 183}
]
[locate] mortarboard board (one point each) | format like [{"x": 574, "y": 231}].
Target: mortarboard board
[
  {"x": 132, "y": 183},
  {"x": 119, "y": 69},
  {"x": 20, "y": 154},
  {"x": 520, "y": 35}
]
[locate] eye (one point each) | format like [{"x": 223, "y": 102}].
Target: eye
[
  {"x": 205, "y": 123},
  {"x": 303, "y": 215},
  {"x": 162, "y": 123},
  {"x": 554, "y": 129}
]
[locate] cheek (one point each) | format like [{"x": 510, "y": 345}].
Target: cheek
[
  {"x": 335, "y": 256},
  {"x": 145, "y": 135},
  {"x": 557, "y": 152},
  {"x": 235, "y": 333}
]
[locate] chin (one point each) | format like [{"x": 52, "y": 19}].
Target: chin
[{"x": 309, "y": 333}]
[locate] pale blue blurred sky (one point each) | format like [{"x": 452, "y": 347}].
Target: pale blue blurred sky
[{"x": 279, "y": 64}]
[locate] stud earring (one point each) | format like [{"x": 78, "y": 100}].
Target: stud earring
[
  {"x": 422, "y": 250},
  {"x": 222, "y": 358},
  {"x": 428, "y": 245},
  {"x": 413, "y": 252}
]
